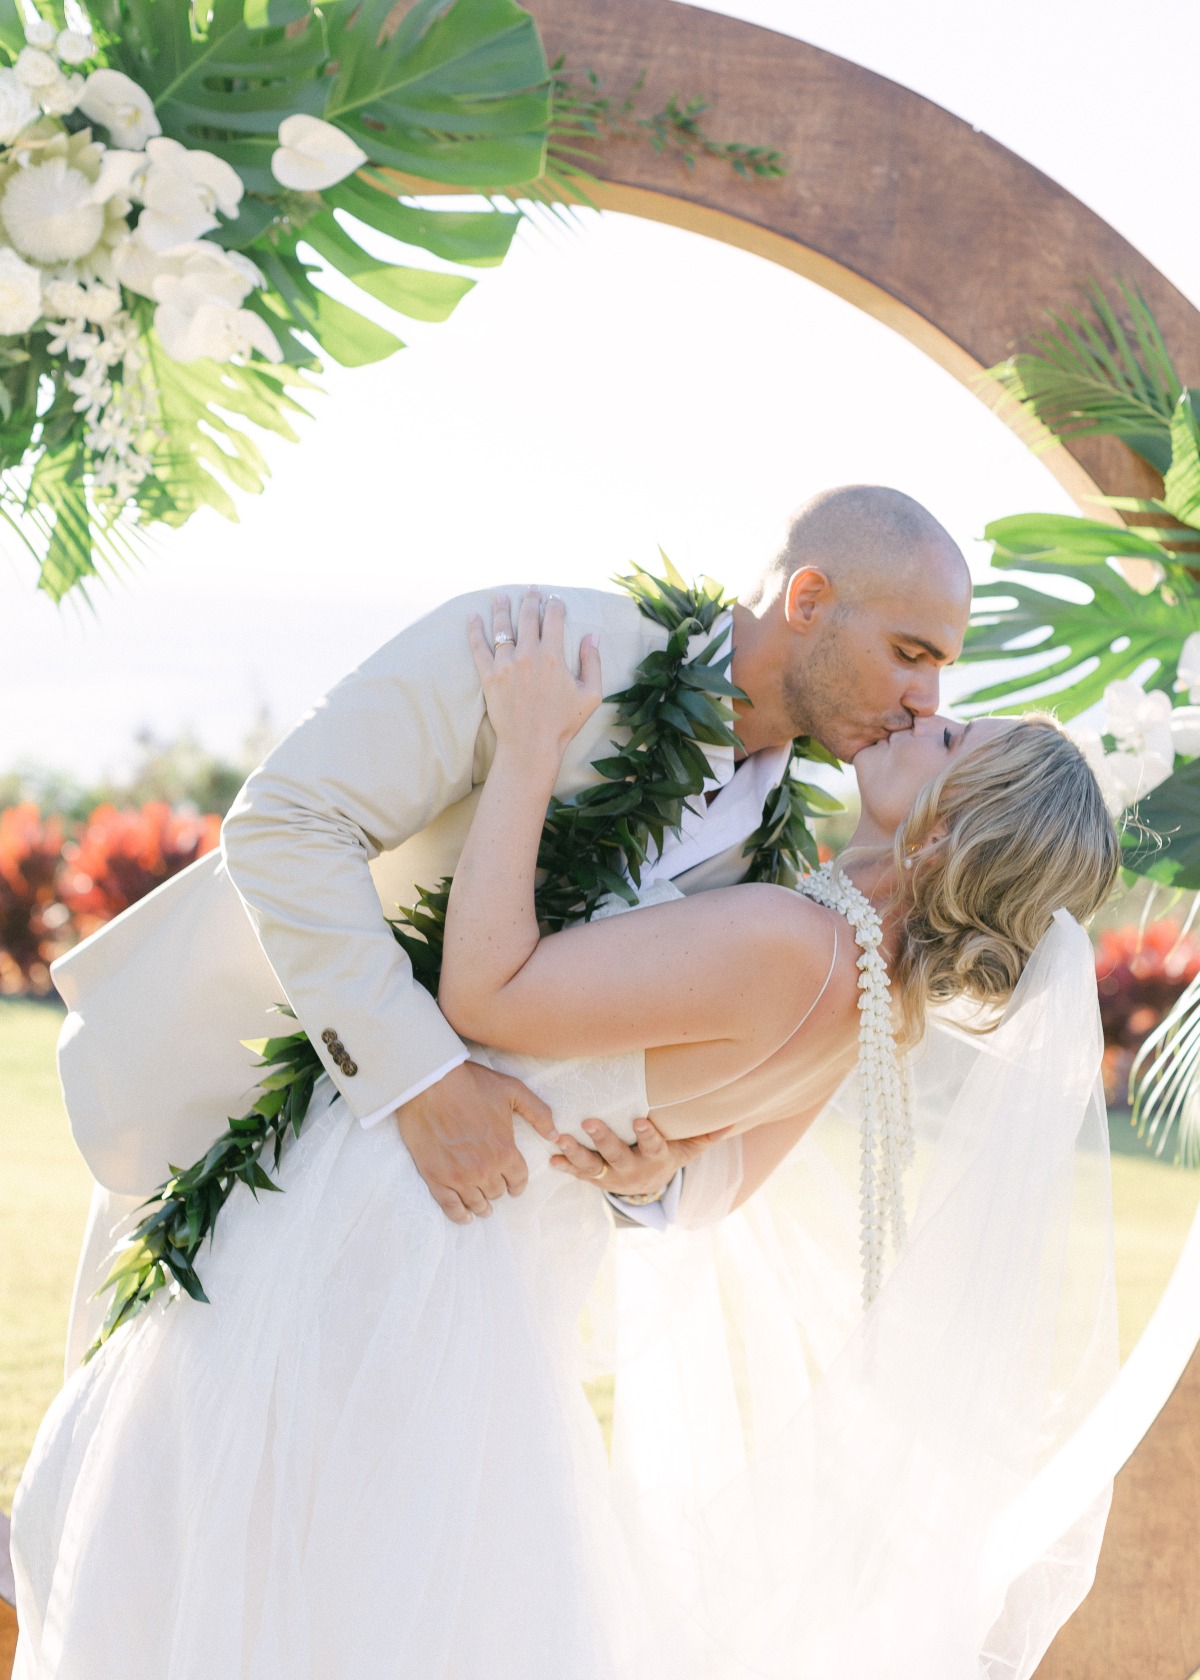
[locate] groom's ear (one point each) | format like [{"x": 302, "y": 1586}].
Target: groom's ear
[{"x": 807, "y": 594}]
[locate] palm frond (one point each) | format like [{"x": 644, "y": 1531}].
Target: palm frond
[
  {"x": 1164, "y": 1081},
  {"x": 1092, "y": 376}
]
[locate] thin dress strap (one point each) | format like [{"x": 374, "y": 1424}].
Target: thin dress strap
[{"x": 696, "y": 1096}]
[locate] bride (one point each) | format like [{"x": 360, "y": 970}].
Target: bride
[{"x": 373, "y": 1454}]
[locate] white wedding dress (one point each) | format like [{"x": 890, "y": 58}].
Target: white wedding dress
[{"x": 372, "y": 1456}]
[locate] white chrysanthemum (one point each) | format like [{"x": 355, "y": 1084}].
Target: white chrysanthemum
[
  {"x": 61, "y": 96},
  {"x": 20, "y": 293},
  {"x": 63, "y": 300},
  {"x": 313, "y": 154},
  {"x": 125, "y": 109},
  {"x": 47, "y": 213},
  {"x": 67, "y": 300},
  {"x": 74, "y": 47},
  {"x": 17, "y": 109},
  {"x": 36, "y": 69},
  {"x": 182, "y": 189}
]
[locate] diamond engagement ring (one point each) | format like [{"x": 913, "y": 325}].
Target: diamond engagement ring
[{"x": 499, "y": 641}]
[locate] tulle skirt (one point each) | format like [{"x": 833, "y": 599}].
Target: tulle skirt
[{"x": 372, "y": 1455}]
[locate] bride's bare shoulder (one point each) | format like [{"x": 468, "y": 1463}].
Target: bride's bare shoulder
[{"x": 778, "y": 924}]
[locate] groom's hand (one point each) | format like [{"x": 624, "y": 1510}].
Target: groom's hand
[{"x": 460, "y": 1134}]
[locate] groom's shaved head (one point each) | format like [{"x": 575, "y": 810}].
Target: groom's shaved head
[
  {"x": 866, "y": 538},
  {"x": 850, "y": 624}
]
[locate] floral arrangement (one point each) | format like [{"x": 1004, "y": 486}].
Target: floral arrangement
[
  {"x": 167, "y": 172},
  {"x": 1133, "y": 644},
  {"x": 1145, "y": 734}
]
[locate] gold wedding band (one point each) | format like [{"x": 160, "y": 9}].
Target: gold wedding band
[{"x": 603, "y": 1169}]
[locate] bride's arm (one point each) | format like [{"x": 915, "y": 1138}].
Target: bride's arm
[{"x": 740, "y": 964}]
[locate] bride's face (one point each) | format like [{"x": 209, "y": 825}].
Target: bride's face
[{"x": 892, "y": 772}]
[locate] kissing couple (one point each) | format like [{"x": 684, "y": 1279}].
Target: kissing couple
[{"x": 811, "y": 1167}]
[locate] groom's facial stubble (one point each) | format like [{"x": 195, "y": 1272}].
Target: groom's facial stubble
[{"x": 865, "y": 663}]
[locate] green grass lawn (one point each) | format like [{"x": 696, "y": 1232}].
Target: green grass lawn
[{"x": 44, "y": 1190}]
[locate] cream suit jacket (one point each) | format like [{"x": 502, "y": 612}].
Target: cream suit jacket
[{"x": 371, "y": 793}]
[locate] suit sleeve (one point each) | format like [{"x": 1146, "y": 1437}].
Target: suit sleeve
[{"x": 386, "y": 750}]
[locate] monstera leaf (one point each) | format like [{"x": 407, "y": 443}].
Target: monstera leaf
[
  {"x": 457, "y": 93},
  {"x": 193, "y": 468},
  {"x": 1118, "y": 628}
]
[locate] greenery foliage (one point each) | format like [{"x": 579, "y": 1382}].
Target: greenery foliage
[
  {"x": 584, "y": 115},
  {"x": 455, "y": 91},
  {"x": 674, "y": 707},
  {"x": 1105, "y": 371},
  {"x": 1092, "y": 375},
  {"x": 164, "y": 1247}
]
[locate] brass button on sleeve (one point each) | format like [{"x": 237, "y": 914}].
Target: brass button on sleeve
[
  {"x": 329, "y": 1036},
  {"x": 349, "y": 1068}
]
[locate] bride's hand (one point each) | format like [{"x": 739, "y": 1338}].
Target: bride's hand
[
  {"x": 640, "y": 1169},
  {"x": 534, "y": 700}
]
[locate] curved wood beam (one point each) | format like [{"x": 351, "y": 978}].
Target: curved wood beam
[{"x": 890, "y": 201}]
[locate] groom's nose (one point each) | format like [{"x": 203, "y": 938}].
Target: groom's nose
[{"x": 920, "y": 698}]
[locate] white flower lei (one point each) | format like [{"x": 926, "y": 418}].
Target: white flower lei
[{"x": 886, "y": 1127}]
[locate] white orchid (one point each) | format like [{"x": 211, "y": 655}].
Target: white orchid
[
  {"x": 199, "y": 292},
  {"x": 1140, "y": 722},
  {"x": 181, "y": 189},
  {"x": 1185, "y": 730},
  {"x": 313, "y": 154},
  {"x": 192, "y": 328},
  {"x": 1149, "y": 735},
  {"x": 1188, "y": 675},
  {"x": 36, "y": 69},
  {"x": 17, "y": 108},
  {"x": 125, "y": 109},
  {"x": 20, "y": 293},
  {"x": 74, "y": 47},
  {"x": 1124, "y": 777}
]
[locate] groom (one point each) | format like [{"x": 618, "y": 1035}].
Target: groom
[{"x": 843, "y": 638}]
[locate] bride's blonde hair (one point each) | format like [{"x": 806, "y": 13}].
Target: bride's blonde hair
[{"x": 1008, "y": 834}]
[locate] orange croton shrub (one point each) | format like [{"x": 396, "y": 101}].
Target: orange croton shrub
[
  {"x": 123, "y": 855},
  {"x": 32, "y": 920}
]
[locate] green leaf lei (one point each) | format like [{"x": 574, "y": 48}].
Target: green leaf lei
[{"x": 592, "y": 845}]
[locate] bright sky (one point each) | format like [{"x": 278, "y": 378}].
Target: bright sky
[{"x": 606, "y": 391}]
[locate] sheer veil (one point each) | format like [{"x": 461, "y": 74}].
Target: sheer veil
[{"x": 818, "y": 1492}]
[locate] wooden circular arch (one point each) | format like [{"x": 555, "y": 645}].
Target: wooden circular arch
[
  {"x": 889, "y": 201},
  {"x": 964, "y": 248}
]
